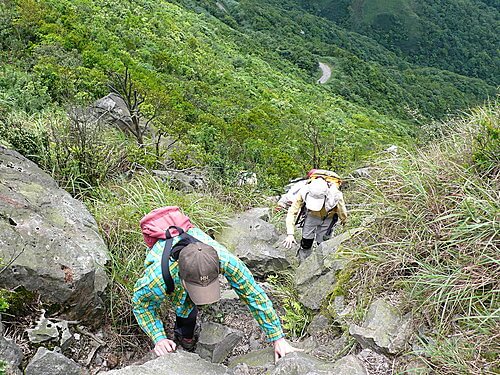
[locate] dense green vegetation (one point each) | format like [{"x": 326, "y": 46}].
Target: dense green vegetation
[
  {"x": 237, "y": 90},
  {"x": 460, "y": 36},
  {"x": 233, "y": 104}
]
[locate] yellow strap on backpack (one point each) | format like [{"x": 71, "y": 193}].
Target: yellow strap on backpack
[{"x": 328, "y": 176}]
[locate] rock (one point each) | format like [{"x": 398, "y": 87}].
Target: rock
[
  {"x": 256, "y": 242},
  {"x": 242, "y": 369},
  {"x": 339, "y": 306},
  {"x": 50, "y": 241},
  {"x": 113, "y": 110},
  {"x": 11, "y": 354},
  {"x": 247, "y": 178},
  {"x": 384, "y": 329},
  {"x": 188, "y": 180},
  {"x": 375, "y": 363},
  {"x": 318, "y": 324},
  {"x": 46, "y": 362},
  {"x": 417, "y": 367},
  {"x": 361, "y": 173},
  {"x": 300, "y": 363},
  {"x": 312, "y": 296},
  {"x": 228, "y": 295},
  {"x": 349, "y": 365},
  {"x": 217, "y": 341},
  {"x": 45, "y": 330},
  {"x": 297, "y": 363},
  {"x": 177, "y": 363},
  {"x": 67, "y": 338},
  {"x": 261, "y": 359},
  {"x": 331, "y": 349},
  {"x": 392, "y": 149},
  {"x": 316, "y": 276}
]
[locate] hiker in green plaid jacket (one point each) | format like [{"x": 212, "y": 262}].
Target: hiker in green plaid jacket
[{"x": 150, "y": 292}]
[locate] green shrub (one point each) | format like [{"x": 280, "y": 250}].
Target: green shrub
[
  {"x": 83, "y": 152},
  {"x": 21, "y": 92},
  {"x": 297, "y": 317},
  {"x": 25, "y": 134},
  {"x": 486, "y": 146}
]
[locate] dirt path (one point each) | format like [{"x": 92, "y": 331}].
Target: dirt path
[{"x": 327, "y": 72}]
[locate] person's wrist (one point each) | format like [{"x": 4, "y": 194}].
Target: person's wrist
[{"x": 276, "y": 342}]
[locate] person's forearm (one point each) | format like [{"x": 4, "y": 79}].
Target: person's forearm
[
  {"x": 342, "y": 211},
  {"x": 150, "y": 324},
  {"x": 291, "y": 216}
]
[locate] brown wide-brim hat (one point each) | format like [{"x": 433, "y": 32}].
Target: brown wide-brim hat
[{"x": 203, "y": 295}]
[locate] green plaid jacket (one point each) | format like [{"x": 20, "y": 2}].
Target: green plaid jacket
[{"x": 149, "y": 291}]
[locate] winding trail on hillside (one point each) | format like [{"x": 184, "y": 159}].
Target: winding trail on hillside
[{"x": 327, "y": 72}]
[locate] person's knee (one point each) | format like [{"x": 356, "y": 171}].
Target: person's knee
[{"x": 306, "y": 243}]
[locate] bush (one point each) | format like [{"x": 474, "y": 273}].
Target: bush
[
  {"x": 25, "y": 134},
  {"x": 486, "y": 146},
  {"x": 83, "y": 152}
]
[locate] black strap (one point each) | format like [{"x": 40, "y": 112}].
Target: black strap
[
  {"x": 329, "y": 231},
  {"x": 165, "y": 263},
  {"x": 173, "y": 252}
]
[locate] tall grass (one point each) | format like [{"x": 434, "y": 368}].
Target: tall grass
[{"x": 436, "y": 238}]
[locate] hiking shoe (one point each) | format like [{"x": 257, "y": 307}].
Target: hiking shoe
[
  {"x": 303, "y": 254},
  {"x": 187, "y": 344}
]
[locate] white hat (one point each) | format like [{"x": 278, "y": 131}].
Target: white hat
[{"x": 318, "y": 190}]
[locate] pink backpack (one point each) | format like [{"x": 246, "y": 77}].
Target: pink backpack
[{"x": 154, "y": 224}]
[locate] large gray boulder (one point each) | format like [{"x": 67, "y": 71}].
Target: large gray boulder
[
  {"x": 256, "y": 242},
  {"x": 217, "y": 341},
  {"x": 316, "y": 276},
  {"x": 178, "y": 363},
  {"x": 113, "y": 110},
  {"x": 384, "y": 329},
  {"x": 46, "y": 362},
  {"x": 11, "y": 354},
  {"x": 49, "y": 241}
]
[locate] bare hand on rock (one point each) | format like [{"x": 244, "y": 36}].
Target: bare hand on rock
[
  {"x": 289, "y": 241},
  {"x": 164, "y": 346}
]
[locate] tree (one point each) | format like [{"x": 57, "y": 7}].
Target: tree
[{"x": 123, "y": 86}]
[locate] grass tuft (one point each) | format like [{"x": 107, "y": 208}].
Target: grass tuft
[{"x": 436, "y": 239}]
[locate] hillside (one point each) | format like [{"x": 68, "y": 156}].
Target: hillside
[
  {"x": 460, "y": 36},
  {"x": 366, "y": 72},
  {"x": 237, "y": 89},
  {"x": 223, "y": 94}
]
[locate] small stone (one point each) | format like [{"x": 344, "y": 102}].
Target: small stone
[
  {"x": 44, "y": 331},
  {"x": 112, "y": 360},
  {"x": 349, "y": 365},
  {"x": 384, "y": 329}
]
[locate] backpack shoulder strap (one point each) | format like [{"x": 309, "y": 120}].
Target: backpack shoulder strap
[{"x": 170, "y": 251}]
